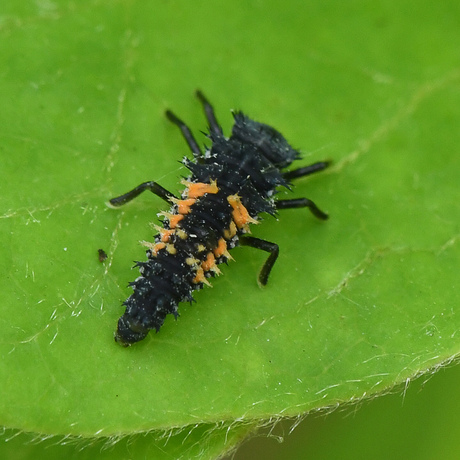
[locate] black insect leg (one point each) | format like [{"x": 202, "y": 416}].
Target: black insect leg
[
  {"x": 153, "y": 187},
  {"x": 272, "y": 248},
  {"x": 188, "y": 136},
  {"x": 306, "y": 170},
  {"x": 209, "y": 112},
  {"x": 302, "y": 203}
]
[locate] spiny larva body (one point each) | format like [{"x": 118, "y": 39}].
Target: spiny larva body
[{"x": 230, "y": 185}]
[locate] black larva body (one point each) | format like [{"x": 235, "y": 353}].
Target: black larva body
[{"x": 230, "y": 184}]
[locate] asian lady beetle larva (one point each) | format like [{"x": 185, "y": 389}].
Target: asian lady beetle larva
[{"x": 230, "y": 184}]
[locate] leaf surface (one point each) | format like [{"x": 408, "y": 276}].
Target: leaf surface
[{"x": 354, "y": 305}]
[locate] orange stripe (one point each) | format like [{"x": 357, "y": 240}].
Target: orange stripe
[
  {"x": 198, "y": 189},
  {"x": 200, "y": 278},
  {"x": 175, "y": 219},
  {"x": 183, "y": 206},
  {"x": 157, "y": 248},
  {"x": 166, "y": 234},
  {"x": 209, "y": 263},
  {"x": 221, "y": 248},
  {"x": 240, "y": 214}
]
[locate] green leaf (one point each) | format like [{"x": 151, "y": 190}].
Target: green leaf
[{"x": 354, "y": 305}]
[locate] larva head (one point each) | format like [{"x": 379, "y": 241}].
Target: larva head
[{"x": 267, "y": 140}]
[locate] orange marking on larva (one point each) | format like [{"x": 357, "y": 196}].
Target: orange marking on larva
[
  {"x": 157, "y": 248},
  {"x": 221, "y": 248},
  {"x": 240, "y": 214},
  {"x": 183, "y": 206},
  {"x": 154, "y": 247},
  {"x": 200, "y": 278},
  {"x": 209, "y": 263},
  {"x": 175, "y": 219},
  {"x": 165, "y": 234},
  {"x": 198, "y": 189}
]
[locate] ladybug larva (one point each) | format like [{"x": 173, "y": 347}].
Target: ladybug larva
[{"x": 230, "y": 184}]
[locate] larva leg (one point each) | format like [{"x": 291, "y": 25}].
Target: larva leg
[
  {"x": 266, "y": 246},
  {"x": 188, "y": 136},
  {"x": 153, "y": 187},
  {"x": 209, "y": 112},
  {"x": 302, "y": 203},
  {"x": 306, "y": 170}
]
